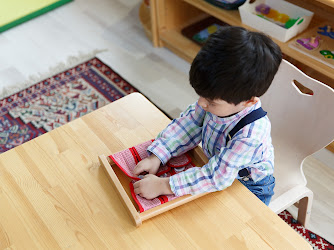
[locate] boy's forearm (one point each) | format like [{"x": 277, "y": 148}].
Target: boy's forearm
[
  {"x": 185, "y": 131},
  {"x": 158, "y": 149}
]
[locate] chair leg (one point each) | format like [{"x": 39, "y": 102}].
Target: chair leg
[{"x": 304, "y": 209}]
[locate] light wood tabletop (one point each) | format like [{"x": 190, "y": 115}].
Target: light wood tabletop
[{"x": 54, "y": 194}]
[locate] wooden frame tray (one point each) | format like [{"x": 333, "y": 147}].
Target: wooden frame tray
[{"x": 121, "y": 182}]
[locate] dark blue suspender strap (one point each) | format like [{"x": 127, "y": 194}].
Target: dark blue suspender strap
[{"x": 248, "y": 119}]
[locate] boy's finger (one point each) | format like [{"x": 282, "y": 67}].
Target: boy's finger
[
  {"x": 151, "y": 171},
  {"x": 137, "y": 191},
  {"x": 139, "y": 169},
  {"x": 136, "y": 184}
]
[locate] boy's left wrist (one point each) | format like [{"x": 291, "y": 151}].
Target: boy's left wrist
[{"x": 165, "y": 186}]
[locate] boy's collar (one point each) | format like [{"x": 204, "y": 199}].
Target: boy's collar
[
  {"x": 229, "y": 115},
  {"x": 240, "y": 114}
]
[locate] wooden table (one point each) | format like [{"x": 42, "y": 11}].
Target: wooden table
[{"x": 55, "y": 195}]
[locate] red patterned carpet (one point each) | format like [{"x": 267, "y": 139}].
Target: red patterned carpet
[
  {"x": 72, "y": 94},
  {"x": 58, "y": 100},
  {"x": 315, "y": 240}
]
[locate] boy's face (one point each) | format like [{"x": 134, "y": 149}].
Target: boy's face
[{"x": 222, "y": 108}]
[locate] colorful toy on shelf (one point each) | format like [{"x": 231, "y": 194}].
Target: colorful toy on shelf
[
  {"x": 317, "y": 43},
  {"x": 328, "y": 54},
  {"x": 309, "y": 43},
  {"x": 200, "y": 31},
  {"x": 263, "y": 8},
  {"x": 270, "y": 14},
  {"x": 287, "y": 20},
  {"x": 291, "y": 22},
  {"x": 326, "y": 31},
  {"x": 203, "y": 35}
]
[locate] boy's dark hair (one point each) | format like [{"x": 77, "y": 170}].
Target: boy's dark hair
[{"x": 235, "y": 65}]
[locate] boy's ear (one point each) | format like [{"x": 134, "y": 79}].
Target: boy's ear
[{"x": 252, "y": 101}]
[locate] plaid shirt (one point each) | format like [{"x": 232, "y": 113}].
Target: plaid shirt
[{"x": 249, "y": 148}]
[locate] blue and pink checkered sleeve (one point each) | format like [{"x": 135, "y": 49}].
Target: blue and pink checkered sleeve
[
  {"x": 181, "y": 135},
  {"x": 221, "y": 170}
]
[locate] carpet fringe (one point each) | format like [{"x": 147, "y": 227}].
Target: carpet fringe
[{"x": 71, "y": 61}]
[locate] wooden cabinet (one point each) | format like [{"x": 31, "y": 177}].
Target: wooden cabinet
[{"x": 164, "y": 20}]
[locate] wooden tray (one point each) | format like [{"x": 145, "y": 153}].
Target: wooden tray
[{"x": 121, "y": 183}]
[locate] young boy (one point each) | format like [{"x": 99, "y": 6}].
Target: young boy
[{"x": 231, "y": 71}]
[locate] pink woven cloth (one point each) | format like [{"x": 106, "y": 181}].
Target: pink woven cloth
[{"x": 127, "y": 160}]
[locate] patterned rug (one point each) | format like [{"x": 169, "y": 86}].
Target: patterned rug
[
  {"x": 72, "y": 94},
  {"x": 57, "y": 101},
  {"x": 315, "y": 240}
]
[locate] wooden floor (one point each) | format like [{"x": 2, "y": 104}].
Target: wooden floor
[{"x": 111, "y": 29}]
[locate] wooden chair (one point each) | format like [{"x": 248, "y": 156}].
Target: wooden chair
[{"x": 301, "y": 125}]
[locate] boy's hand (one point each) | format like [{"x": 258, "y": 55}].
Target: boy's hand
[
  {"x": 152, "y": 186},
  {"x": 150, "y": 164}
]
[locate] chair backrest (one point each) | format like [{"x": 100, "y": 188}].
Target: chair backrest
[{"x": 301, "y": 124}]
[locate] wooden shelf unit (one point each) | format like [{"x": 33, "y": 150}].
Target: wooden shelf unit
[
  {"x": 145, "y": 19},
  {"x": 174, "y": 15}
]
